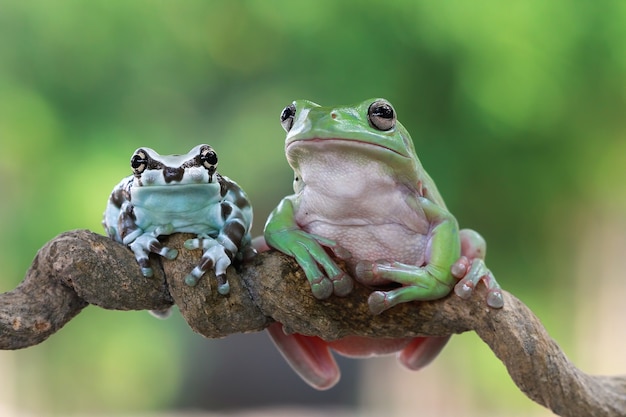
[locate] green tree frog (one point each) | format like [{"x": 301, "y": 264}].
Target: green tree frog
[
  {"x": 181, "y": 193},
  {"x": 361, "y": 195}
]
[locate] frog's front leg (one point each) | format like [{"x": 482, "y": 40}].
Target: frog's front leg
[
  {"x": 218, "y": 252},
  {"x": 429, "y": 282},
  {"x": 471, "y": 269},
  {"x": 214, "y": 255},
  {"x": 142, "y": 243},
  {"x": 283, "y": 233}
]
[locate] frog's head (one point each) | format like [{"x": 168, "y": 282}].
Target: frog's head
[
  {"x": 151, "y": 169},
  {"x": 365, "y": 131}
]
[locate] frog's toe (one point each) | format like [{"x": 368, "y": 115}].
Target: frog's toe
[
  {"x": 459, "y": 268},
  {"x": 370, "y": 273},
  {"x": 342, "y": 285},
  {"x": 191, "y": 244},
  {"x": 464, "y": 289},
  {"x": 364, "y": 271},
  {"x": 164, "y": 251},
  {"x": 171, "y": 254},
  {"x": 341, "y": 252},
  {"x": 223, "y": 287},
  {"x": 147, "y": 272},
  {"x": 322, "y": 288},
  {"x": 144, "y": 265},
  {"x": 477, "y": 272},
  {"x": 378, "y": 302},
  {"x": 191, "y": 280},
  {"x": 495, "y": 298}
]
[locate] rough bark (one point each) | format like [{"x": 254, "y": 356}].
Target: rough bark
[{"x": 79, "y": 268}]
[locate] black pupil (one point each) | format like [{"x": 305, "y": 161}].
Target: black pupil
[
  {"x": 384, "y": 111},
  {"x": 287, "y": 113},
  {"x": 210, "y": 157},
  {"x": 137, "y": 161}
]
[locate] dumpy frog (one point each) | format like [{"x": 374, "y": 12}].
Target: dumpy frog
[
  {"x": 362, "y": 195},
  {"x": 181, "y": 193}
]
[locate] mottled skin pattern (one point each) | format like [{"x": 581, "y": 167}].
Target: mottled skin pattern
[
  {"x": 362, "y": 195},
  {"x": 181, "y": 193}
]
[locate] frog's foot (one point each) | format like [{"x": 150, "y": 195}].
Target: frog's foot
[
  {"x": 419, "y": 283},
  {"x": 470, "y": 274},
  {"x": 335, "y": 281},
  {"x": 323, "y": 286},
  {"x": 310, "y": 252},
  {"x": 215, "y": 256},
  {"x": 143, "y": 245}
]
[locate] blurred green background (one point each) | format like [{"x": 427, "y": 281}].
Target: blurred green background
[{"x": 517, "y": 111}]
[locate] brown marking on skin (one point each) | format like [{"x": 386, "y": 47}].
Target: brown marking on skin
[
  {"x": 126, "y": 221},
  {"x": 155, "y": 247},
  {"x": 173, "y": 174},
  {"x": 226, "y": 185},
  {"x": 17, "y": 323},
  {"x": 197, "y": 161},
  {"x": 206, "y": 264},
  {"x": 226, "y": 210},
  {"x": 235, "y": 231},
  {"x": 117, "y": 197},
  {"x": 152, "y": 164}
]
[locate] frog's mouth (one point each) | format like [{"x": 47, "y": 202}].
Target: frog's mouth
[{"x": 344, "y": 142}]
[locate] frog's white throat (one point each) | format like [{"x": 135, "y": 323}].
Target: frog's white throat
[{"x": 349, "y": 170}]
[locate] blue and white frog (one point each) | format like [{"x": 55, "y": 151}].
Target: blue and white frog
[{"x": 181, "y": 193}]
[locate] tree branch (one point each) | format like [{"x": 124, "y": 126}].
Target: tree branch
[{"x": 79, "y": 268}]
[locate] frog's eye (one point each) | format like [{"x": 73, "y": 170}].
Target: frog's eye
[
  {"x": 286, "y": 117},
  {"x": 208, "y": 158},
  {"x": 381, "y": 115},
  {"x": 139, "y": 162}
]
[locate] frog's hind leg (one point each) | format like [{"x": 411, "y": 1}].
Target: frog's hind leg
[
  {"x": 421, "y": 351},
  {"x": 309, "y": 356},
  {"x": 419, "y": 283},
  {"x": 430, "y": 281}
]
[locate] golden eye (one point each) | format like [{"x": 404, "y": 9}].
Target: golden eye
[{"x": 381, "y": 115}]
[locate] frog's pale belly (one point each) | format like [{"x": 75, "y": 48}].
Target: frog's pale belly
[
  {"x": 392, "y": 242},
  {"x": 385, "y": 228},
  {"x": 349, "y": 196}
]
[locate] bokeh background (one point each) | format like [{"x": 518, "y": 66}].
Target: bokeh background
[{"x": 517, "y": 110}]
